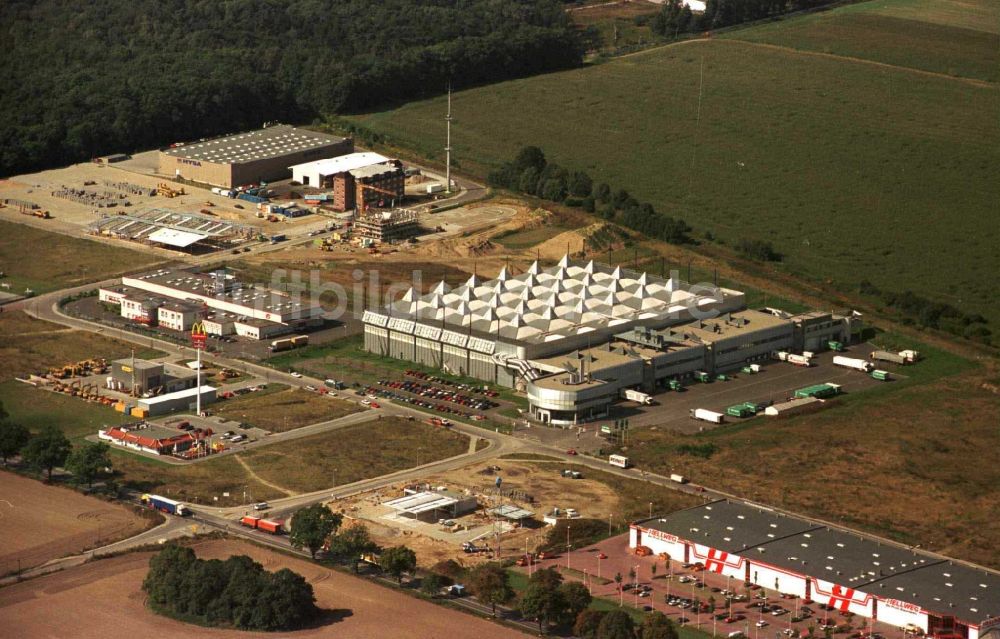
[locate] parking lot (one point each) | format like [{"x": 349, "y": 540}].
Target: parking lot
[
  {"x": 756, "y": 612},
  {"x": 776, "y": 382},
  {"x": 434, "y": 393}
]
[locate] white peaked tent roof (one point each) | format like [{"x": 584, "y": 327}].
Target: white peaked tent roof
[{"x": 543, "y": 304}]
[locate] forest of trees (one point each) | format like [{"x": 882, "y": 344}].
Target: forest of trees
[
  {"x": 89, "y": 78},
  {"x": 237, "y": 592}
]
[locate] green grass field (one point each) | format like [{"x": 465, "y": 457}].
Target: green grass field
[
  {"x": 303, "y": 465},
  {"x": 46, "y": 261},
  {"x": 853, "y": 170},
  {"x": 36, "y": 408},
  {"x": 951, "y": 37}
]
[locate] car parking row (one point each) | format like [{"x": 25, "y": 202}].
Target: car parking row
[
  {"x": 436, "y": 393},
  {"x": 469, "y": 388},
  {"x": 373, "y": 392}
]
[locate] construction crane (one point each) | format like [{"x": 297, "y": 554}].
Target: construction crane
[{"x": 362, "y": 206}]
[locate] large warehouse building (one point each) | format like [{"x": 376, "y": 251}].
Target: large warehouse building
[
  {"x": 249, "y": 158},
  {"x": 850, "y": 572},
  {"x": 576, "y": 334},
  {"x": 369, "y": 177}
]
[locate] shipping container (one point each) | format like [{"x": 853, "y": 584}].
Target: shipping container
[
  {"x": 250, "y": 521},
  {"x": 680, "y": 479},
  {"x": 739, "y": 410},
  {"x": 819, "y": 391}
]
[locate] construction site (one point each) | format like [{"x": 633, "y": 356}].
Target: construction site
[{"x": 464, "y": 515}]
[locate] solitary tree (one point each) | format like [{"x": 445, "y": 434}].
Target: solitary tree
[
  {"x": 46, "y": 450},
  {"x": 13, "y": 437},
  {"x": 548, "y": 576},
  {"x": 617, "y": 624},
  {"x": 88, "y": 461},
  {"x": 490, "y": 583},
  {"x": 542, "y": 602},
  {"x": 652, "y": 571},
  {"x": 577, "y": 598},
  {"x": 352, "y": 542},
  {"x": 312, "y": 526},
  {"x": 657, "y": 626},
  {"x": 398, "y": 560}
]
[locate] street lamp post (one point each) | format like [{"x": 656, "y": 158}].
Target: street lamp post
[{"x": 567, "y": 545}]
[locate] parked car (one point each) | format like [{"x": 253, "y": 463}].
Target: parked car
[{"x": 296, "y": 375}]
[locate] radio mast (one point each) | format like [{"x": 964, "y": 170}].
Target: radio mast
[{"x": 447, "y": 148}]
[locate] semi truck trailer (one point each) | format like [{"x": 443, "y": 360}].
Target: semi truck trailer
[
  {"x": 887, "y": 356},
  {"x": 636, "y": 396},
  {"x": 853, "y": 362},
  {"x": 707, "y": 415},
  {"x": 165, "y": 505}
]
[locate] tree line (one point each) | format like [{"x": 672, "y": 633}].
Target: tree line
[
  {"x": 917, "y": 310},
  {"x": 122, "y": 75},
  {"x": 531, "y": 173},
  {"x": 236, "y": 592},
  {"x": 676, "y": 16}
]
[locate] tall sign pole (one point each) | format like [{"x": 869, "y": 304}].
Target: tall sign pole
[
  {"x": 198, "y": 339},
  {"x": 447, "y": 147}
]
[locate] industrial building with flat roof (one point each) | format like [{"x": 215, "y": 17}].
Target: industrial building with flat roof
[
  {"x": 173, "y": 294},
  {"x": 251, "y": 157},
  {"x": 851, "y": 572},
  {"x": 574, "y": 335}
]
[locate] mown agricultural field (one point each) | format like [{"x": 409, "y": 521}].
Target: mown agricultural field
[
  {"x": 954, "y": 38},
  {"x": 854, "y": 170}
]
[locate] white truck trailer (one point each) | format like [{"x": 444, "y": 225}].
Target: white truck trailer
[
  {"x": 707, "y": 415},
  {"x": 853, "y": 362},
  {"x": 636, "y": 396}
]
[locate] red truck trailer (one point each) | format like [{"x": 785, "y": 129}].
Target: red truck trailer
[
  {"x": 273, "y": 526},
  {"x": 250, "y": 521}
]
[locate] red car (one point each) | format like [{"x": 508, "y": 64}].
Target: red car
[
  {"x": 375, "y": 405},
  {"x": 571, "y": 451}
]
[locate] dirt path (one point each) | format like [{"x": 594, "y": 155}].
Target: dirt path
[
  {"x": 983, "y": 84},
  {"x": 260, "y": 479}
]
